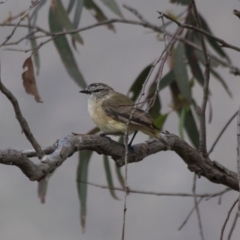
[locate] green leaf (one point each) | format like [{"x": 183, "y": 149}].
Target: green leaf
[
  {"x": 33, "y": 17},
  {"x": 112, "y": 5},
  {"x": 70, "y": 6},
  {"x": 120, "y": 176},
  {"x": 180, "y": 72},
  {"x": 156, "y": 108},
  {"x": 211, "y": 41},
  {"x": 97, "y": 13},
  {"x": 213, "y": 62},
  {"x": 65, "y": 51},
  {"x": 193, "y": 63},
  {"x": 222, "y": 81},
  {"x": 78, "y": 12},
  {"x": 109, "y": 177},
  {"x": 137, "y": 85},
  {"x": 42, "y": 186},
  {"x": 167, "y": 79},
  {"x": 159, "y": 122},
  {"x": 82, "y": 177},
  {"x": 191, "y": 128},
  {"x": 181, "y": 2},
  {"x": 181, "y": 121},
  {"x": 62, "y": 17}
]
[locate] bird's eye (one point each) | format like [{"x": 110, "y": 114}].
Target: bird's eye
[{"x": 97, "y": 90}]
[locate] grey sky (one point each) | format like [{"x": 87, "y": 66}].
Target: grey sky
[{"x": 115, "y": 59}]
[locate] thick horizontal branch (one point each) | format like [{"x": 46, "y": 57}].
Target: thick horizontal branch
[{"x": 67, "y": 146}]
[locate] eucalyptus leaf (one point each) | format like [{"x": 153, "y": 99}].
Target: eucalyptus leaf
[
  {"x": 159, "y": 122},
  {"x": 113, "y": 6},
  {"x": 62, "y": 17},
  {"x": 137, "y": 84},
  {"x": 65, "y": 51},
  {"x": 82, "y": 177},
  {"x": 109, "y": 177},
  {"x": 180, "y": 72}
]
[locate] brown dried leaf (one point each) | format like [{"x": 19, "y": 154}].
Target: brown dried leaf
[{"x": 29, "y": 81}]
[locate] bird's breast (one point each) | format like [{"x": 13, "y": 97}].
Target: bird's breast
[{"x": 104, "y": 122}]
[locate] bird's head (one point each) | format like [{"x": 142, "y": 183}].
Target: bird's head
[{"x": 97, "y": 90}]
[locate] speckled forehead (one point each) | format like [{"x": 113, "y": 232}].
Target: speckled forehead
[{"x": 98, "y": 85}]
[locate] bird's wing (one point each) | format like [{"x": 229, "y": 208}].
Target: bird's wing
[{"x": 120, "y": 108}]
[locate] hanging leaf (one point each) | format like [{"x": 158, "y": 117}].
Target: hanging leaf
[
  {"x": 82, "y": 177},
  {"x": 193, "y": 63},
  {"x": 213, "y": 62},
  {"x": 136, "y": 87},
  {"x": 159, "y": 122},
  {"x": 42, "y": 186},
  {"x": 222, "y": 81},
  {"x": 70, "y": 6},
  {"x": 156, "y": 108},
  {"x": 65, "y": 51},
  {"x": 29, "y": 81},
  {"x": 78, "y": 13},
  {"x": 191, "y": 128},
  {"x": 109, "y": 177},
  {"x": 97, "y": 13},
  {"x": 62, "y": 17},
  {"x": 180, "y": 72},
  {"x": 119, "y": 176},
  {"x": 34, "y": 14},
  {"x": 167, "y": 79},
  {"x": 112, "y": 5},
  {"x": 182, "y": 121},
  {"x": 212, "y": 41},
  {"x": 181, "y": 2}
]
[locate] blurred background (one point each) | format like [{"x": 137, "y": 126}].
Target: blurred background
[{"x": 114, "y": 59}]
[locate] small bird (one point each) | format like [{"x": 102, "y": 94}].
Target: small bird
[{"x": 111, "y": 110}]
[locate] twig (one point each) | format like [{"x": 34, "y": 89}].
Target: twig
[
  {"x": 22, "y": 121},
  {"x": 196, "y": 207},
  {"x": 197, "y": 29},
  {"x": 160, "y": 194},
  {"x": 222, "y": 131},
  {"x": 189, "y": 215},
  {"x": 34, "y": 4},
  {"x": 135, "y": 12},
  {"x": 238, "y": 157},
  {"x": 233, "y": 226},
  {"x": 233, "y": 69},
  {"x": 227, "y": 218}
]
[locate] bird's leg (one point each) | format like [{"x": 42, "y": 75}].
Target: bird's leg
[{"x": 130, "y": 144}]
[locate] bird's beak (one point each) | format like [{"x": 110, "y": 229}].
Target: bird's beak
[{"x": 85, "y": 91}]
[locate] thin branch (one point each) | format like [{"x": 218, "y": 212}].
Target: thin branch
[
  {"x": 34, "y": 4},
  {"x": 238, "y": 157},
  {"x": 189, "y": 215},
  {"x": 222, "y": 131},
  {"x": 160, "y": 194},
  {"x": 233, "y": 226},
  {"x": 196, "y": 207},
  {"x": 197, "y": 29},
  {"x": 233, "y": 69},
  {"x": 22, "y": 121},
  {"x": 227, "y": 218}
]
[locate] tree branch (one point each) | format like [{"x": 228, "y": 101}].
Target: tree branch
[
  {"x": 22, "y": 121},
  {"x": 66, "y": 146}
]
